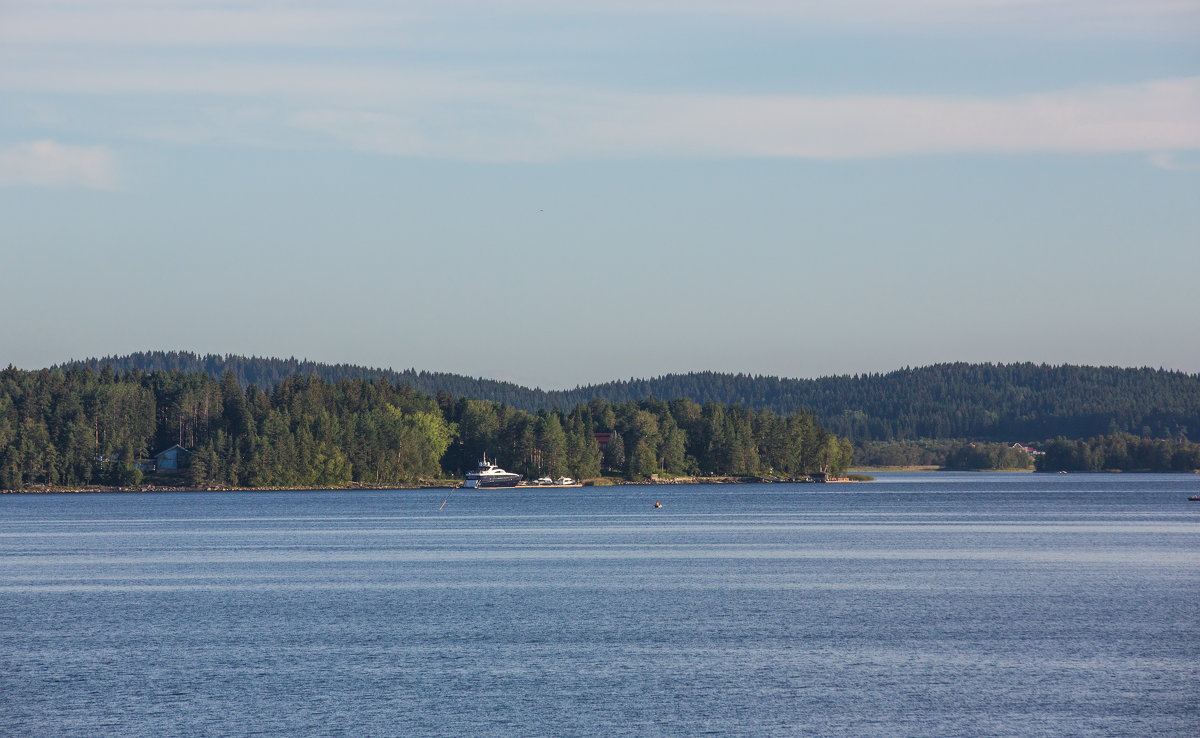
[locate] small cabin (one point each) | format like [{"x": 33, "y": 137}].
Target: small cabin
[{"x": 176, "y": 457}]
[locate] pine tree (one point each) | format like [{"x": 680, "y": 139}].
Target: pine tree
[
  {"x": 614, "y": 453},
  {"x": 552, "y": 445}
]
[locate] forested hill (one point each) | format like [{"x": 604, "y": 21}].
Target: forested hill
[
  {"x": 973, "y": 401},
  {"x": 266, "y": 373},
  {"x": 80, "y": 427},
  {"x": 976, "y": 401}
]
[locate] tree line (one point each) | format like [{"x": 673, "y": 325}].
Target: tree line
[
  {"x": 921, "y": 452},
  {"x": 974, "y": 456},
  {"x": 81, "y": 426},
  {"x": 1112, "y": 452},
  {"x": 1120, "y": 452},
  {"x": 266, "y": 372},
  {"x": 986, "y": 402}
]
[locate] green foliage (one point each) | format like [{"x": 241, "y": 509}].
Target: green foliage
[
  {"x": 920, "y": 452},
  {"x": 614, "y": 452},
  {"x": 79, "y": 426},
  {"x": 672, "y": 452},
  {"x": 979, "y": 456},
  {"x": 641, "y": 461},
  {"x": 551, "y": 446},
  {"x": 1120, "y": 452},
  {"x": 988, "y": 402},
  {"x": 422, "y": 441},
  {"x": 583, "y": 450}
]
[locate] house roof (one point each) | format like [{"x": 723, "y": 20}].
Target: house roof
[{"x": 172, "y": 448}]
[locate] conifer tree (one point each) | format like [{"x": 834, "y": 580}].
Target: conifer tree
[
  {"x": 614, "y": 453},
  {"x": 552, "y": 445}
]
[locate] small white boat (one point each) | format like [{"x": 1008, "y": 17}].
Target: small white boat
[{"x": 564, "y": 481}]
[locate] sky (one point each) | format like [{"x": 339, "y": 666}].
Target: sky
[{"x": 560, "y": 193}]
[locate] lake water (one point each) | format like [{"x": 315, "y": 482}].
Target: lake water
[{"x": 917, "y": 605}]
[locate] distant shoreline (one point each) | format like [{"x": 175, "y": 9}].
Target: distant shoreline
[
  {"x": 444, "y": 484},
  {"x": 44, "y": 490},
  {"x": 932, "y": 468}
]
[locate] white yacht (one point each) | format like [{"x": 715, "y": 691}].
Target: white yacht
[{"x": 490, "y": 475}]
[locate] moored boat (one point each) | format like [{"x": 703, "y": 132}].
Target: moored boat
[{"x": 488, "y": 475}]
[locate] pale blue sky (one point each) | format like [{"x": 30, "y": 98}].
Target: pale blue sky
[{"x": 562, "y": 193}]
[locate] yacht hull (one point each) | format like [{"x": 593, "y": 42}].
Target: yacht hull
[{"x": 510, "y": 481}]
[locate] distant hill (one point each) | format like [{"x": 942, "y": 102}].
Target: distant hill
[
  {"x": 976, "y": 401},
  {"x": 268, "y": 372}
]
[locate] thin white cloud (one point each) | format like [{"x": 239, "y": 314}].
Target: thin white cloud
[
  {"x": 199, "y": 26},
  {"x": 1175, "y": 161},
  {"x": 423, "y": 112},
  {"x": 1155, "y": 116},
  {"x": 396, "y": 22},
  {"x": 390, "y": 106},
  {"x": 515, "y": 123},
  {"x": 51, "y": 164}
]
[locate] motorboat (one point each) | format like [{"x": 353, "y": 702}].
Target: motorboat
[{"x": 488, "y": 475}]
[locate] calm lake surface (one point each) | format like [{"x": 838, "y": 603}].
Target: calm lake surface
[{"x": 916, "y": 605}]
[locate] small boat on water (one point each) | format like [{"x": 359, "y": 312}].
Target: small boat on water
[
  {"x": 548, "y": 482},
  {"x": 488, "y": 475}
]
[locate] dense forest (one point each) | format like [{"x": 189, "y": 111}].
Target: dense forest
[
  {"x": 77, "y": 426},
  {"x": 975, "y": 456},
  {"x": 1120, "y": 452},
  {"x": 982, "y": 402},
  {"x": 268, "y": 372},
  {"x": 922, "y": 452}
]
